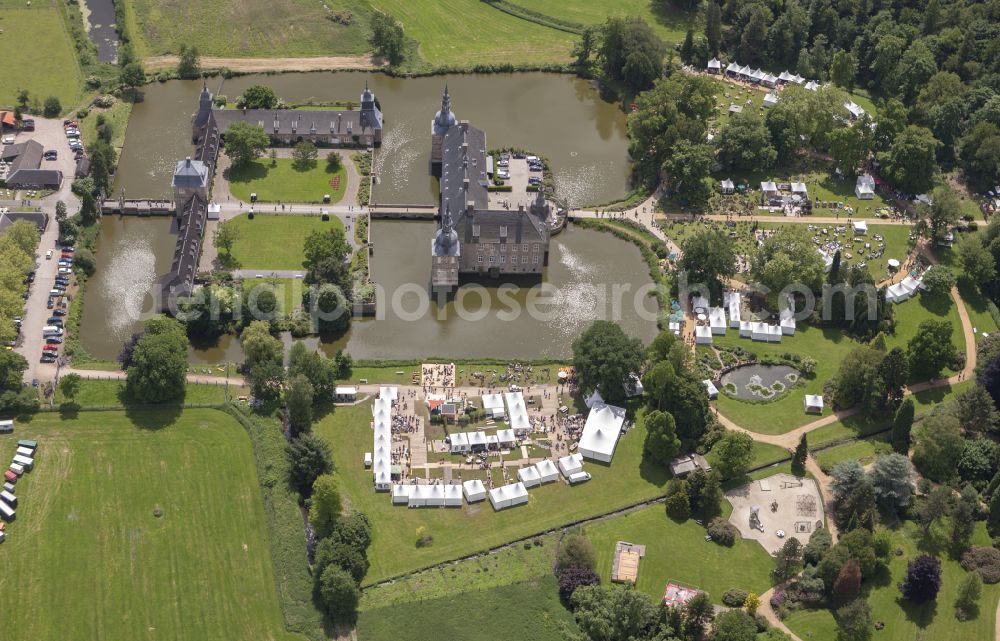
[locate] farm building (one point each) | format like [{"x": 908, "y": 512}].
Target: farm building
[
  {"x": 508, "y": 496},
  {"x": 474, "y": 490},
  {"x": 601, "y": 431},
  {"x": 571, "y": 464}
]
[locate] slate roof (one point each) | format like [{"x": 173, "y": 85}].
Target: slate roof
[
  {"x": 293, "y": 121},
  {"x": 34, "y": 178},
  {"x": 190, "y": 173},
  {"x": 23, "y": 155}
]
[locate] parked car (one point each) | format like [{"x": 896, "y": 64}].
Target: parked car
[
  {"x": 50, "y": 304},
  {"x": 47, "y": 358},
  {"x": 8, "y": 140},
  {"x": 55, "y": 320},
  {"x": 28, "y": 124},
  {"x": 48, "y": 255},
  {"x": 53, "y": 340},
  {"x": 51, "y": 154},
  {"x": 59, "y": 312}
]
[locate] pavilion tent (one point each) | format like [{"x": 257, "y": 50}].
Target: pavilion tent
[
  {"x": 733, "y": 68},
  {"x": 477, "y": 441},
  {"x": 508, "y": 496},
  {"x": 401, "y": 494},
  {"x": 493, "y": 404},
  {"x": 700, "y": 304},
  {"x": 854, "y": 109},
  {"x": 529, "y": 476},
  {"x": 770, "y": 100},
  {"x": 517, "y": 412},
  {"x": 419, "y": 495},
  {"x": 797, "y": 79},
  {"x": 813, "y": 404},
  {"x": 717, "y": 320},
  {"x": 452, "y": 496},
  {"x": 733, "y": 301},
  {"x": 769, "y": 80},
  {"x": 593, "y": 399},
  {"x": 759, "y": 331},
  {"x": 547, "y": 471},
  {"x": 860, "y": 227},
  {"x": 757, "y": 76},
  {"x": 727, "y": 186},
  {"x": 703, "y": 335},
  {"x": 774, "y": 334},
  {"x": 474, "y": 490},
  {"x": 864, "y": 188},
  {"x": 383, "y": 480},
  {"x": 390, "y": 392},
  {"x": 713, "y": 391},
  {"x": 506, "y": 438},
  {"x": 812, "y": 86},
  {"x": 345, "y": 393},
  {"x": 800, "y": 189},
  {"x": 459, "y": 442},
  {"x": 601, "y": 431},
  {"x": 784, "y": 77},
  {"x": 746, "y": 329},
  {"x": 435, "y": 495},
  {"x": 492, "y": 442},
  {"x": 714, "y": 65},
  {"x": 571, "y": 464}
]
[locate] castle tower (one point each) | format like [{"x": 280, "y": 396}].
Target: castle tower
[
  {"x": 539, "y": 207},
  {"x": 371, "y": 117},
  {"x": 445, "y": 254},
  {"x": 444, "y": 119},
  {"x": 204, "y": 111}
]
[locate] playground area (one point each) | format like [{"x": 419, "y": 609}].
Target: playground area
[{"x": 772, "y": 509}]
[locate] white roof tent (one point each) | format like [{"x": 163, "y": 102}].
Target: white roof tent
[
  {"x": 508, "y": 496},
  {"x": 713, "y": 391},
  {"x": 593, "y": 399},
  {"x": 474, "y": 491},
  {"x": 348, "y": 392},
  {"x": 459, "y": 442},
  {"x": 571, "y": 464},
  {"x": 390, "y": 392},
  {"x": 812, "y": 86},
  {"x": 452, "y": 496},
  {"x": 717, "y": 320},
  {"x": 601, "y": 431},
  {"x": 769, "y": 187},
  {"x": 860, "y": 227},
  {"x": 529, "y": 476},
  {"x": 854, "y": 109},
  {"x": 703, "y": 335},
  {"x": 382, "y": 440},
  {"x": 506, "y": 438},
  {"x": 727, "y": 186},
  {"x": 770, "y": 100},
  {"x": 864, "y": 188},
  {"x": 714, "y": 64},
  {"x": 813, "y": 404},
  {"x": 547, "y": 471},
  {"x": 401, "y": 494},
  {"x": 517, "y": 412},
  {"x": 733, "y": 302},
  {"x": 904, "y": 290}
]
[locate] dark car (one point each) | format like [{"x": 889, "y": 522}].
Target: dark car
[
  {"x": 50, "y": 304},
  {"x": 55, "y": 320},
  {"x": 28, "y": 124},
  {"x": 47, "y": 358},
  {"x": 59, "y": 312},
  {"x": 53, "y": 340},
  {"x": 51, "y": 154}
]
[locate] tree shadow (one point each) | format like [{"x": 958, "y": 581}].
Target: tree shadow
[
  {"x": 920, "y": 614},
  {"x": 69, "y": 410}
]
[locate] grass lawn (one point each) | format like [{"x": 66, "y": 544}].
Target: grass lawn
[
  {"x": 284, "y": 183},
  {"x": 863, "y": 450},
  {"x": 470, "y": 32},
  {"x": 976, "y": 307},
  {"x": 910, "y": 314},
  {"x": 529, "y": 610},
  {"x": 679, "y": 552},
  {"x": 282, "y": 28},
  {"x": 87, "y": 558},
  {"x": 474, "y": 527},
  {"x": 38, "y": 54},
  {"x": 95, "y": 393},
  {"x": 510, "y": 565},
  {"x": 905, "y": 621},
  {"x": 274, "y": 242},
  {"x": 669, "y": 21},
  {"x": 117, "y": 115}
]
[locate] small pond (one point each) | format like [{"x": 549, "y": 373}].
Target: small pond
[{"x": 759, "y": 382}]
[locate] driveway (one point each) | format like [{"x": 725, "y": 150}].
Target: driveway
[{"x": 49, "y": 132}]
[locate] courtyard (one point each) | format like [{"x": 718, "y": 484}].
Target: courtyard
[
  {"x": 772, "y": 509},
  {"x": 277, "y": 180}
]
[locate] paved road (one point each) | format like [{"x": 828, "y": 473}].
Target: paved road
[{"x": 49, "y": 132}]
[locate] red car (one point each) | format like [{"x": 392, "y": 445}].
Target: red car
[{"x": 10, "y": 476}]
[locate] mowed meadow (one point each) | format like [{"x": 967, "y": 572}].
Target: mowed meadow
[{"x": 87, "y": 557}]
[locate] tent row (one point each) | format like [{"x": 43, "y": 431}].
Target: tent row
[
  {"x": 905, "y": 289},
  {"x": 757, "y": 76},
  {"x": 427, "y": 495},
  {"x": 544, "y": 471},
  {"x": 462, "y": 442},
  {"x": 715, "y": 323},
  {"x": 382, "y": 439}
]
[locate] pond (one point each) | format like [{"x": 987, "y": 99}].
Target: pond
[
  {"x": 558, "y": 116},
  {"x": 759, "y": 382}
]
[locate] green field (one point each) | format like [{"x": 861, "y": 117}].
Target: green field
[
  {"x": 282, "y": 28},
  {"x": 284, "y": 183},
  {"x": 117, "y": 115},
  {"x": 529, "y": 610},
  {"x": 275, "y": 242},
  {"x": 96, "y": 393},
  {"x": 668, "y": 21},
  {"x": 864, "y": 450},
  {"x": 477, "y": 527},
  {"x": 87, "y": 557},
  {"x": 678, "y": 552},
  {"x": 904, "y": 621},
  {"x": 37, "y": 54}
]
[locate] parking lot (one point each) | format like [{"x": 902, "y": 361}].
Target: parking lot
[{"x": 520, "y": 174}]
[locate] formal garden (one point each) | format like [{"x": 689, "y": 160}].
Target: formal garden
[{"x": 281, "y": 180}]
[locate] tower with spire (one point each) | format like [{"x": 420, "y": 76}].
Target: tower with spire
[
  {"x": 200, "y": 118},
  {"x": 443, "y": 120}
]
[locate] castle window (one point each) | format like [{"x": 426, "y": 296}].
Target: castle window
[
  {"x": 480, "y": 258},
  {"x": 503, "y": 259},
  {"x": 524, "y": 247},
  {"x": 513, "y": 248},
  {"x": 536, "y": 247},
  {"x": 493, "y": 259},
  {"x": 503, "y": 248},
  {"x": 534, "y": 259},
  {"x": 513, "y": 260}
]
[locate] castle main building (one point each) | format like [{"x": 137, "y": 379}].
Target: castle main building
[{"x": 477, "y": 236}]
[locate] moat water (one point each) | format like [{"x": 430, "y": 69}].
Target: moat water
[{"x": 595, "y": 275}]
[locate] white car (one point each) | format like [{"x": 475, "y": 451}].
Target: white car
[
  {"x": 8, "y": 140},
  {"x": 48, "y": 255},
  {"x": 65, "y": 270}
]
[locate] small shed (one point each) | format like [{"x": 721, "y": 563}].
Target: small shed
[
  {"x": 713, "y": 391},
  {"x": 345, "y": 394},
  {"x": 214, "y": 211},
  {"x": 474, "y": 490},
  {"x": 571, "y": 464},
  {"x": 547, "y": 471},
  {"x": 860, "y": 228},
  {"x": 813, "y": 404},
  {"x": 703, "y": 335},
  {"x": 529, "y": 476}
]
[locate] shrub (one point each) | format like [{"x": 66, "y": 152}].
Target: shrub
[
  {"x": 734, "y": 597},
  {"x": 985, "y": 561},
  {"x": 424, "y": 538},
  {"x": 923, "y": 579},
  {"x": 576, "y": 550},
  {"x": 722, "y": 531},
  {"x": 570, "y": 578}
]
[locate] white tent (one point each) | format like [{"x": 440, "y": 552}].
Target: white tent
[
  {"x": 812, "y": 86},
  {"x": 774, "y": 334},
  {"x": 459, "y": 442},
  {"x": 571, "y": 464},
  {"x": 788, "y": 326},
  {"x": 547, "y": 471},
  {"x": 733, "y": 302},
  {"x": 769, "y": 80},
  {"x": 700, "y": 304},
  {"x": 860, "y": 227},
  {"x": 717, "y": 321},
  {"x": 813, "y": 404},
  {"x": 727, "y": 186},
  {"x": 904, "y": 290},
  {"x": 759, "y": 331},
  {"x": 529, "y": 476},
  {"x": 383, "y": 480},
  {"x": 517, "y": 412},
  {"x": 390, "y": 392},
  {"x": 492, "y": 442},
  {"x": 733, "y": 68},
  {"x": 493, "y": 404},
  {"x": 506, "y": 438},
  {"x": 401, "y": 494},
  {"x": 800, "y": 189},
  {"x": 757, "y": 75},
  {"x": 435, "y": 495},
  {"x": 703, "y": 335},
  {"x": 477, "y": 441},
  {"x": 452, "y": 496},
  {"x": 474, "y": 490},
  {"x": 345, "y": 393},
  {"x": 769, "y": 188},
  {"x": 675, "y": 327},
  {"x": 797, "y": 79},
  {"x": 419, "y": 495},
  {"x": 864, "y": 188},
  {"x": 746, "y": 329},
  {"x": 593, "y": 399},
  {"x": 508, "y": 496},
  {"x": 784, "y": 77},
  {"x": 601, "y": 431},
  {"x": 770, "y": 100},
  {"x": 735, "y": 109},
  {"x": 854, "y": 109},
  {"x": 713, "y": 391},
  {"x": 787, "y": 316},
  {"x": 714, "y": 65}
]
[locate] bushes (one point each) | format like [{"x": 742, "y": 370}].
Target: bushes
[
  {"x": 985, "y": 561},
  {"x": 723, "y": 532},
  {"x": 734, "y": 597}
]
